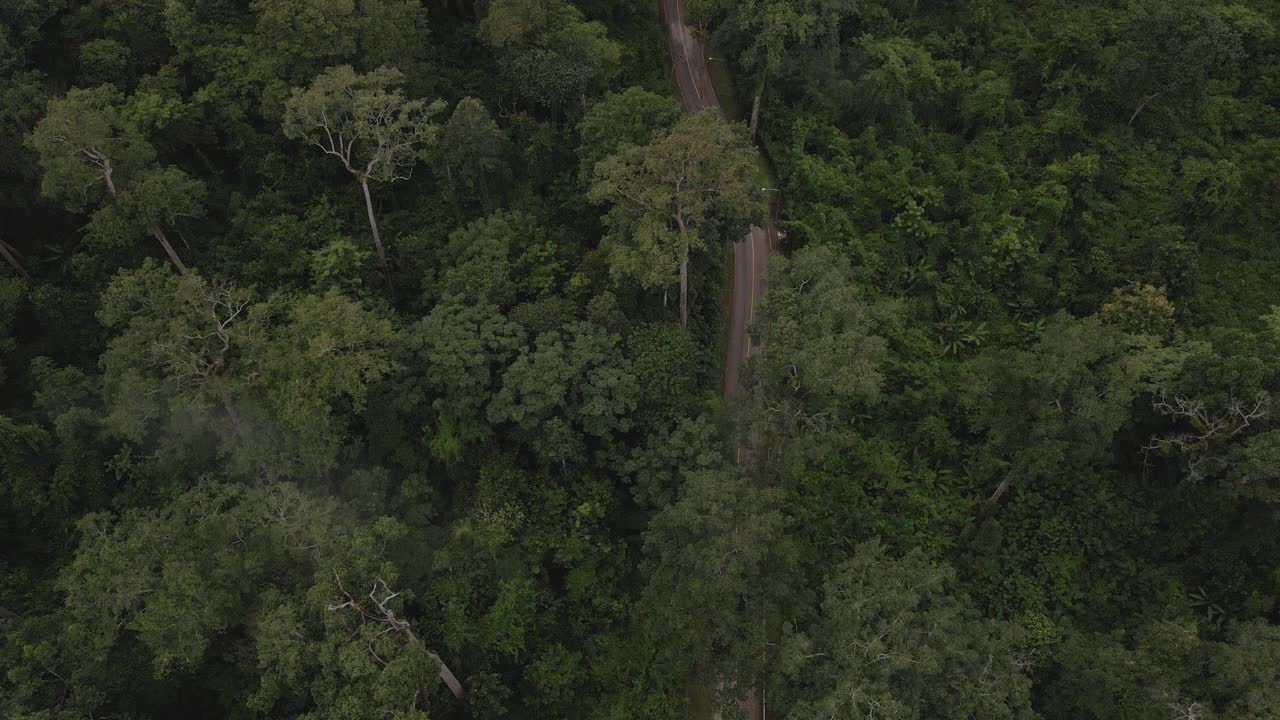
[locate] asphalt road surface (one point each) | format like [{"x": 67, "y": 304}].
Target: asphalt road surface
[
  {"x": 750, "y": 254},
  {"x": 688, "y": 60},
  {"x": 750, "y": 262}
]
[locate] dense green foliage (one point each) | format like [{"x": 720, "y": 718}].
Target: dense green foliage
[{"x": 343, "y": 374}]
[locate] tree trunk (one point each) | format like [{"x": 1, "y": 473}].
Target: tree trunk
[
  {"x": 173, "y": 255},
  {"x": 377, "y": 236},
  {"x": 684, "y": 293},
  {"x": 1001, "y": 488},
  {"x": 401, "y": 626},
  {"x": 684, "y": 271},
  {"x": 755, "y": 110},
  {"x": 1141, "y": 106},
  {"x": 155, "y": 230},
  {"x": 106, "y": 177},
  {"x": 445, "y": 673},
  {"x": 233, "y": 415},
  {"x": 755, "y": 116},
  {"x": 10, "y": 256},
  {"x": 449, "y": 678}
]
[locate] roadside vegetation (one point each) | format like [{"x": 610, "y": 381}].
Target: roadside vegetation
[{"x": 360, "y": 359}]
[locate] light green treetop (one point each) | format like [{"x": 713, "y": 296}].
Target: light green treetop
[
  {"x": 364, "y": 121},
  {"x": 93, "y": 155},
  {"x": 675, "y": 198},
  {"x": 86, "y": 146},
  {"x": 819, "y": 347},
  {"x": 273, "y": 381},
  {"x": 367, "y": 124}
]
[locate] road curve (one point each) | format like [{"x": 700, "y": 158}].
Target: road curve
[
  {"x": 750, "y": 254},
  {"x": 688, "y": 60}
]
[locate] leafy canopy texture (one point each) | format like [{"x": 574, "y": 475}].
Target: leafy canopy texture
[
  {"x": 620, "y": 120},
  {"x": 364, "y": 121},
  {"x": 721, "y": 565},
  {"x": 95, "y": 156},
  {"x": 87, "y": 145},
  {"x": 270, "y": 378},
  {"x": 1005, "y": 445},
  {"x": 820, "y": 352},
  {"x": 550, "y": 53},
  {"x": 675, "y": 198},
  {"x": 893, "y": 639},
  {"x": 271, "y": 571}
]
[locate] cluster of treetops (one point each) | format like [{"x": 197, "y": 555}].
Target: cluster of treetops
[{"x": 342, "y": 374}]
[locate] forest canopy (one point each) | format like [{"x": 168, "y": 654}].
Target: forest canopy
[{"x": 366, "y": 358}]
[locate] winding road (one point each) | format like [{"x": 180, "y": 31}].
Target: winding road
[{"x": 750, "y": 254}]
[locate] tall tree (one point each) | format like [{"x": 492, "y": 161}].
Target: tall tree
[
  {"x": 271, "y": 382},
  {"x": 570, "y": 375},
  {"x": 92, "y": 154},
  {"x": 472, "y": 147},
  {"x": 676, "y": 197},
  {"x": 1058, "y": 403},
  {"x": 368, "y": 125},
  {"x": 772, "y": 25},
  {"x": 268, "y": 572},
  {"x": 450, "y": 365},
  {"x": 1168, "y": 669},
  {"x": 294, "y": 39}
]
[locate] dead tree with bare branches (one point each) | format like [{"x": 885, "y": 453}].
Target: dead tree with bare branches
[
  {"x": 1209, "y": 425},
  {"x": 378, "y": 610}
]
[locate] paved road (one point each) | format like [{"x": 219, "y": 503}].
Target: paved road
[
  {"x": 750, "y": 254},
  {"x": 750, "y": 262},
  {"x": 688, "y": 60}
]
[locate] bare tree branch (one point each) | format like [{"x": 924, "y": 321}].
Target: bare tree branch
[
  {"x": 380, "y": 595},
  {"x": 11, "y": 256}
]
